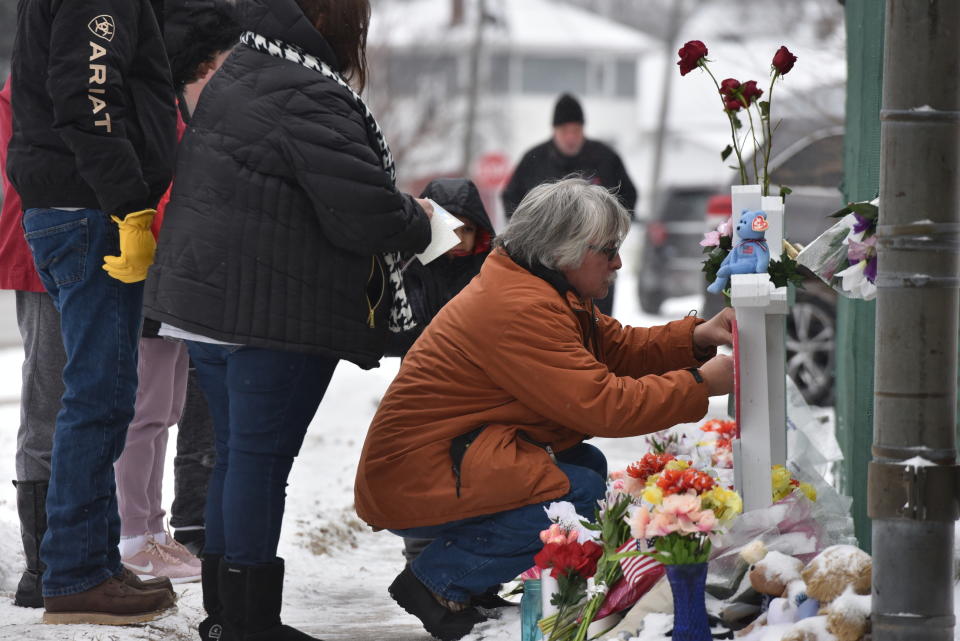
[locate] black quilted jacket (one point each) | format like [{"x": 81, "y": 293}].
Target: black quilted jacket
[{"x": 280, "y": 208}]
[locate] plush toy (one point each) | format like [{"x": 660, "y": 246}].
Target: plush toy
[
  {"x": 839, "y": 578},
  {"x": 750, "y": 255},
  {"x": 774, "y": 572},
  {"x": 830, "y": 572}
]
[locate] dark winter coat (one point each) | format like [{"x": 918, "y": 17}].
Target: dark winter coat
[
  {"x": 93, "y": 106},
  {"x": 281, "y": 207},
  {"x": 429, "y": 287},
  {"x": 544, "y": 163}
]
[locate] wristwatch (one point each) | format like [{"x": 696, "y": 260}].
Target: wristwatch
[{"x": 695, "y": 373}]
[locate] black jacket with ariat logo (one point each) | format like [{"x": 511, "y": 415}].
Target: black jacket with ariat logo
[
  {"x": 281, "y": 207},
  {"x": 93, "y": 104}
]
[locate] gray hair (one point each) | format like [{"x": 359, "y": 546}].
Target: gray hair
[{"x": 557, "y": 222}]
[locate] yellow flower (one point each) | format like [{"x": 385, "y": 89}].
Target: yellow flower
[
  {"x": 809, "y": 490},
  {"x": 653, "y": 494},
  {"x": 725, "y": 503},
  {"x": 677, "y": 464}
]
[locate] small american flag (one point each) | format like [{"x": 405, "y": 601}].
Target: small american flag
[{"x": 637, "y": 569}]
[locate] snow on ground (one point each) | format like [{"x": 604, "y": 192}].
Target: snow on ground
[{"x": 338, "y": 570}]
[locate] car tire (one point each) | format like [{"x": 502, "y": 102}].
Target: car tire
[{"x": 811, "y": 347}]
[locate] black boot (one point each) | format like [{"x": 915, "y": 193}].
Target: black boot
[
  {"x": 211, "y": 628},
  {"x": 32, "y": 508},
  {"x": 414, "y": 597},
  {"x": 251, "y": 597}
]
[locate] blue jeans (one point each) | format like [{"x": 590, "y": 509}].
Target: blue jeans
[
  {"x": 100, "y": 325},
  {"x": 469, "y": 556},
  {"x": 261, "y": 402}
]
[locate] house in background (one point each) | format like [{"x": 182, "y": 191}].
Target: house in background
[{"x": 529, "y": 51}]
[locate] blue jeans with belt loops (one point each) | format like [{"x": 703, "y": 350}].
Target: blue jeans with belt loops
[
  {"x": 469, "y": 556},
  {"x": 100, "y": 320}
]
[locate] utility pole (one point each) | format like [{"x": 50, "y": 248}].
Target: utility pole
[
  {"x": 675, "y": 19},
  {"x": 473, "y": 89},
  {"x": 913, "y": 477}
]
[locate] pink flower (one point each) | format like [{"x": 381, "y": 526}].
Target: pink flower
[
  {"x": 661, "y": 525},
  {"x": 710, "y": 239},
  {"x": 556, "y": 534},
  {"x": 639, "y": 522},
  {"x": 618, "y": 485},
  {"x": 857, "y": 251},
  {"x": 707, "y": 521},
  {"x": 725, "y": 228},
  {"x": 617, "y": 474},
  {"x": 681, "y": 505},
  {"x": 634, "y": 486}
]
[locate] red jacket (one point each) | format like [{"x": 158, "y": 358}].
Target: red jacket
[{"x": 17, "y": 270}]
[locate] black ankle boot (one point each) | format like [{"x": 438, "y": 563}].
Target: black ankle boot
[
  {"x": 251, "y": 596},
  {"x": 414, "y": 597},
  {"x": 32, "y": 508},
  {"x": 211, "y": 628}
]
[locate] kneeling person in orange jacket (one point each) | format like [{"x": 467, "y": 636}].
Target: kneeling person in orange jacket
[{"x": 485, "y": 422}]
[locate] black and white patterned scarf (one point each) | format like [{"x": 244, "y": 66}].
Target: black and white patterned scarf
[{"x": 401, "y": 317}]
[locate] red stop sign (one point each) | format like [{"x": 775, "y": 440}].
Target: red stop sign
[{"x": 492, "y": 170}]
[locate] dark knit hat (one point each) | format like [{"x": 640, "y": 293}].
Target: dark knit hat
[{"x": 568, "y": 109}]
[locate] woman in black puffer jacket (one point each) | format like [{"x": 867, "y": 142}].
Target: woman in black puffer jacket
[{"x": 271, "y": 264}]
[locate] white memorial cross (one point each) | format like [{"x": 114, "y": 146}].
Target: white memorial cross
[{"x": 761, "y": 409}]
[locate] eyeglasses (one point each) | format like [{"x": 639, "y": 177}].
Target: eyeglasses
[{"x": 609, "y": 251}]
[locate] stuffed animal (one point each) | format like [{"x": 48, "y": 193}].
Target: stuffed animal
[
  {"x": 774, "y": 572},
  {"x": 750, "y": 255},
  {"x": 830, "y": 572},
  {"x": 839, "y": 578}
]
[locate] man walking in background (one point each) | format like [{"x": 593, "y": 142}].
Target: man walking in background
[{"x": 568, "y": 152}]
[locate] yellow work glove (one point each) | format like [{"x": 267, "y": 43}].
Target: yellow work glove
[{"x": 137, "y": 246}]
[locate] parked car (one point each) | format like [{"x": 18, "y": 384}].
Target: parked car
[{"x": 671, "y": 255}]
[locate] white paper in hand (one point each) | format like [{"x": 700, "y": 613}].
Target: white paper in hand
[{"x": 442, "y": 236}]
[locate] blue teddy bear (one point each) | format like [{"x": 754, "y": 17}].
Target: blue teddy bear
[{"x": 750, "y": 255}]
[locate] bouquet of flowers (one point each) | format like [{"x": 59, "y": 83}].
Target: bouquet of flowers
[
  {"x": 724, "y": 432},
  {"x": 584, "y": 569},
  {"x": 572, "y": 563},
  {"x": 743, "y": 98},
  {"x": 845, "y": 255},
  {"x": 784, "y": 485}
]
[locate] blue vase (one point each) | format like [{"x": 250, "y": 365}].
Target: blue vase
[
  {"x": 530, "y": 610},
  {"x": 687, "y": 582}
]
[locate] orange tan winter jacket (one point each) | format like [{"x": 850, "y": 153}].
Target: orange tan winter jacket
[{"x": 523, "y": 371}]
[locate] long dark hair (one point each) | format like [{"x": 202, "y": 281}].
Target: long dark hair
[{"x": 344, "y": 24}]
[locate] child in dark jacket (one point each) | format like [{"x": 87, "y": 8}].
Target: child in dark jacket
[{"x": 429, "y": 287}]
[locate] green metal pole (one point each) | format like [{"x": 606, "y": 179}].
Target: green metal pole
[{"x": 856, "y": 319}]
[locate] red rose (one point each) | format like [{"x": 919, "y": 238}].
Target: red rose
[
  {"x": 783, "y": 60},
  {"x": 728, "y": 87},
  {"x": 750, "y": 91},
  {"x": 690, "y": 56},
  {"x": 590, "y": 553},
  {"x": 544, "y": 558},
  {"x": 733, "y": 104}
]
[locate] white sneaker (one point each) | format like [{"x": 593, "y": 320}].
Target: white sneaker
[{"x": 152, "y": 560}]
